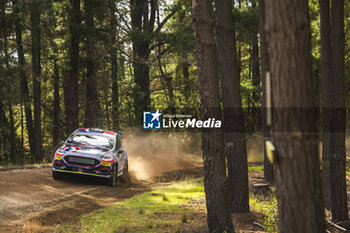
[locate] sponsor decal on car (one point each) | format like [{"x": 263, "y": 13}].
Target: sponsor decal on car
[
  {"x": 58, "y": 155},
  {"x": 71, "y": 148},
  {"x": 106, "y": 163}
]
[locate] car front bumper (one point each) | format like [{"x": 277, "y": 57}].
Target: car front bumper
[
  {"x": 74, "y": 169},
  {"x": 81, "y": 173}
]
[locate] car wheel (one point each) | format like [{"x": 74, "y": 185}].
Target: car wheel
[
  {"x": 56, "y": 175},
  {"x": 125, "y": 178},
  {"x": 111, "y": 181}
]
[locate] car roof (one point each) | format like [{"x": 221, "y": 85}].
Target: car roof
[{"x": 97, "y": 131}]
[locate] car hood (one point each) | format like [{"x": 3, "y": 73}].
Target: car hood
[{"x": 84, "y": 151}]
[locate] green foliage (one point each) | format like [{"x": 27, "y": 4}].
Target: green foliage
[
  {"x": 271, "y": 218},
  {"x": 268, "y": 207},
  {"x": 158, "y": 209},
  {"x": 256, "y": 168},
  {"x": 246, "y": 21},
  {"x": 171, "y": 49}
]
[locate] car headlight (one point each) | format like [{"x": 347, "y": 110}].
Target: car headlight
[
  {"x": 107, "y": 157},
  {"x": 59, "y": 153}
]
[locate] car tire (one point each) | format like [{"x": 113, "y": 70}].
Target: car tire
[
  {"x": 56, "y": 175},
  {"x": 126, "y": 178},
  {"x": 112, "y": 181}
]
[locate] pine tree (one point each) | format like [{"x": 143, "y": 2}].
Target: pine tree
[
  {"x": 294, "y": 128},
  {"x": 212, "y": 142}
]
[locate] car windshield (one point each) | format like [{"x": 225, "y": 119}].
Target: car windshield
[{"x": 92, "y": 140}]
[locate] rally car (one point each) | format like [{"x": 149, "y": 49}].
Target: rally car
[{"x": 93, "y": 152}]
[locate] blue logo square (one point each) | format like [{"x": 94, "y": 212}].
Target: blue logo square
[{"x": 151, "y": 120}]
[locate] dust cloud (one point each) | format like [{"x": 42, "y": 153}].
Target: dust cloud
[{"x": 153, "y": 153}]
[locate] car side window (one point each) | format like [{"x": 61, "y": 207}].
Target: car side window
[{"x": 118, "y": 142}]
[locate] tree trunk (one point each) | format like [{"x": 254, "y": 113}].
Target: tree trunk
[
  {"x": 36, "y": 47},
  {"x": 141, "y": 74},
  {"x": 337, "y": 145},
  {"x": 143, "y": 13},
  {"x": 114, "y": 63},
  {"x": 92, "y": 103},
  {"x": 236, "y": 152},
  {"x": 23, "y": 77},
  {"x": 56, "y": 106},
  {"x": 213, "y": 145},
  {"x": 168, "y": 87},
  {"x": 72, "y": 82},
  {"x": 268, "y": 167},
  {"x": 185, "y": 71},
  {"x": 294, "y": 128},
  {"x": 22, "y": 129},
  {"x": 326, "y": 98},
  {"x": 239, "y": 45},
  {"x": 256, "y": 96},
  {"x": 140, "y": 23},
  {"x": 184, "y": 64},
  {"x": 5, "y": 132},
  {"x": 13, "y": 138}
]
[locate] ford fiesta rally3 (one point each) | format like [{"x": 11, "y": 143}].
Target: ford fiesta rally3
[{"x": 93, "y": 152}]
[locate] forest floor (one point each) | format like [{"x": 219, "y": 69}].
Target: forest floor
[{"x": 31, "y": 201}]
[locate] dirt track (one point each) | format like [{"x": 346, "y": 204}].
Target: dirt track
[{"x": 31, "y": 197}]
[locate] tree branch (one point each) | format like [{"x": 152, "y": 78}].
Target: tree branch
[{"x": 176, "y": 8}]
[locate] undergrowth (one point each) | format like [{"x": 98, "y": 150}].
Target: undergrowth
[
  {"x": 166, "y": 207},
  {"x": 268, "y": 207}
]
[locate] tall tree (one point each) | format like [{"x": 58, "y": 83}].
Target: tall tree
[
  {"x": 236, "y": 152},
  {"x": 56, "y": 105},
  {"x": 256, "y": 113},
  {"x": 92, "y": 104},
  {"x": 167, "y": 81},
  {"x": 212, "y": 142},
  {"x": 184, "y": 46},
  {"x": 12, "y": 136},
  {"x": 56, "y": 109},
  {"x": 294, "y": 128},
  {"x": 4, "y": 131},
  {"x": 143, "y": 13},
  {"x": 23, "y": 77},
  {"x": 268, "y": 167},
  {"x": 36, "y": 50},
  {"x": 71, "y": 83},
  {"x": 337, "y": 141},
  {"x": 326, "y": 98},
  {"x": 239, "y": 43},
  {"x": 114, "y": 63},
  {"x": 185, "y": 65},
  {"x": 142, "y": 24}
]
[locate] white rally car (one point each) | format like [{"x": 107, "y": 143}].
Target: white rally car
[{"x": 93, "y": 152}]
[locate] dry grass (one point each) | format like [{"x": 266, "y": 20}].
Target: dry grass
[{"x": 32, "y": 226}]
